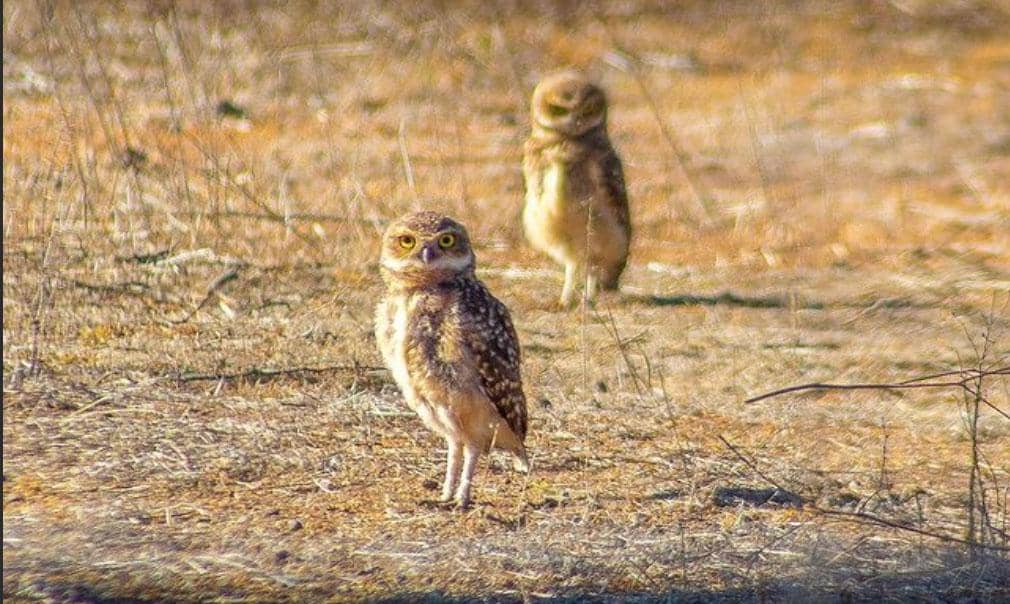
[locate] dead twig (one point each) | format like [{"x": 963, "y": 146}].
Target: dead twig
[
  {"x": 970, "y": 376},
  {"x": 244, "y": 191},
  {"x": 864, "y": 518},
  {"x": 610, "y": 326},
  {"x": 223, "y": 279},
  {"x": 751, "y": 464},
  {"x": 408, "y": 169},
  {"x": 290, "y": 216},
  {"x": 257, "y": 373},
  {"x": 133, "y": 288},
  {"x": 970, "y": 385}
]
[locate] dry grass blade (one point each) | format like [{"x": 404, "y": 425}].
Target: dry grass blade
[
  {"x": 215, "y": 286},
  {"x": 699, "y": 210}
]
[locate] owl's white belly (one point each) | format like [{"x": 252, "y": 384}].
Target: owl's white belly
[
  {"x": 555, "y": 189},
  {"x": 549, "y": 218},
  {"x": 557, "y": 221},
  {"x": 434, "y": 417},
  {"x": 397, "y": 354}
]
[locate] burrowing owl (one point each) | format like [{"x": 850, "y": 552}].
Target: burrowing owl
[
  {"x": 576, "y": 204},
  {"x": 450, "y": 345}
]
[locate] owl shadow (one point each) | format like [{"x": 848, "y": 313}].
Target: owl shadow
[{"x": 726, "y": 298}]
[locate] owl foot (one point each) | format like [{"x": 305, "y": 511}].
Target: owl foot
[
  {"x": 438, "y": 504},
  {"x": 451, "y": 505}
]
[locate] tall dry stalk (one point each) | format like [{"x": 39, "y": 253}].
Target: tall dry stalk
[{"x": 979, "y": 530}]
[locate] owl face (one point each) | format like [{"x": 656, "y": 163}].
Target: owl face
[
  {"x": 425, "y": 248},
  {"x": 568, "y": 103}
]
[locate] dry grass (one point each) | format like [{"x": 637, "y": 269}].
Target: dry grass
[{"x": 821, "y": 191}]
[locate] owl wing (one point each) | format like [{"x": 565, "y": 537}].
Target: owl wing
[
  {"x": 609, "y": 175},
  {"x": 493, "y": 345}
]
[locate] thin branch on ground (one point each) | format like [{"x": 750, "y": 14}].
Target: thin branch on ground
[
  {"x": 610, "y": 326},
  {"x": 221, "y": 170},
  {"x": 289, "y": 217},
  {"x": 970, "y": 385},
  {"x": 970, "y": 376},
  {"x": 865, "y": 518},
  {"x": 223, "y": 279},
  {"x": 862, "y": 517},
  {"x": 750, "y": 464},
  {"x": 257, "y": 373}
]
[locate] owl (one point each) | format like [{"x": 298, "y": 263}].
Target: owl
[
  {"x": 576, "y": 208},
  {"x": 450, "y": 346}
]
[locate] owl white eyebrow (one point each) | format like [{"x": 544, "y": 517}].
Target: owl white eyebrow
[{"x": 395, "y": 265}]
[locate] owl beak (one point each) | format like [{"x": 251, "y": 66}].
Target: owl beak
[{"x": 427, "y": 255}]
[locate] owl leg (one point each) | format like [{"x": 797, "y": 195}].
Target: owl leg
[
  {"x": 568, "y": 291},
  {"x": 452, "y": 468},
  {"x": 470, "y": 455},
  {"x": 592, "y": 285}
]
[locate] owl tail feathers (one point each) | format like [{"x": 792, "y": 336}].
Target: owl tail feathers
[
  {"x": 505, "y": 439},
  {"x": 611, "y": 284},
  {"x": 520, "y": 463},
  {"x": 610, "y": 279}
]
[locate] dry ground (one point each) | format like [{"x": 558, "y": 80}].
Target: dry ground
[{"x": 191, "y": 199}]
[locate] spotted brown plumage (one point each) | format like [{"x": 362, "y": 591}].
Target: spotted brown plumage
[
  {"x": 450, "y": 346},
  {"x": 492, "y": 341}
]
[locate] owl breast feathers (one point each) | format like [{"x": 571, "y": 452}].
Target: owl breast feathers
[{"x": 464, "y": 337}]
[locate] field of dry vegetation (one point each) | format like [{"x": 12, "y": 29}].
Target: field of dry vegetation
[{"x": 193, "y": 407}]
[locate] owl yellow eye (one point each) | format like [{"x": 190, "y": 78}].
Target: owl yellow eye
[
  {"x": 557, "y": 110},
  {"x": 407, "y": 242},
  {"x": 446, "y": 241}
]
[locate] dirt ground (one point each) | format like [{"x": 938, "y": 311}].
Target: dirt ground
[{"x": 194, "y": 408}]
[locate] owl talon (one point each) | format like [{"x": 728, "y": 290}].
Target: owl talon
[
  {"x": 563, "y": 305},
  {"x": 438, "y": 504}
]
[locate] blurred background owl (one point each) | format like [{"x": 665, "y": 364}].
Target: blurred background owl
[{"x": 576, "y": 204}]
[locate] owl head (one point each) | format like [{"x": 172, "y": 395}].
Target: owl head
[
  {"x": 568, "y": 103},
  {"x": 425, "y": 248}
]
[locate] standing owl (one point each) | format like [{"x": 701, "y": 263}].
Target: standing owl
[
  {"x": 576, "y": 204},
  {"x": 450, "y": 346}
]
